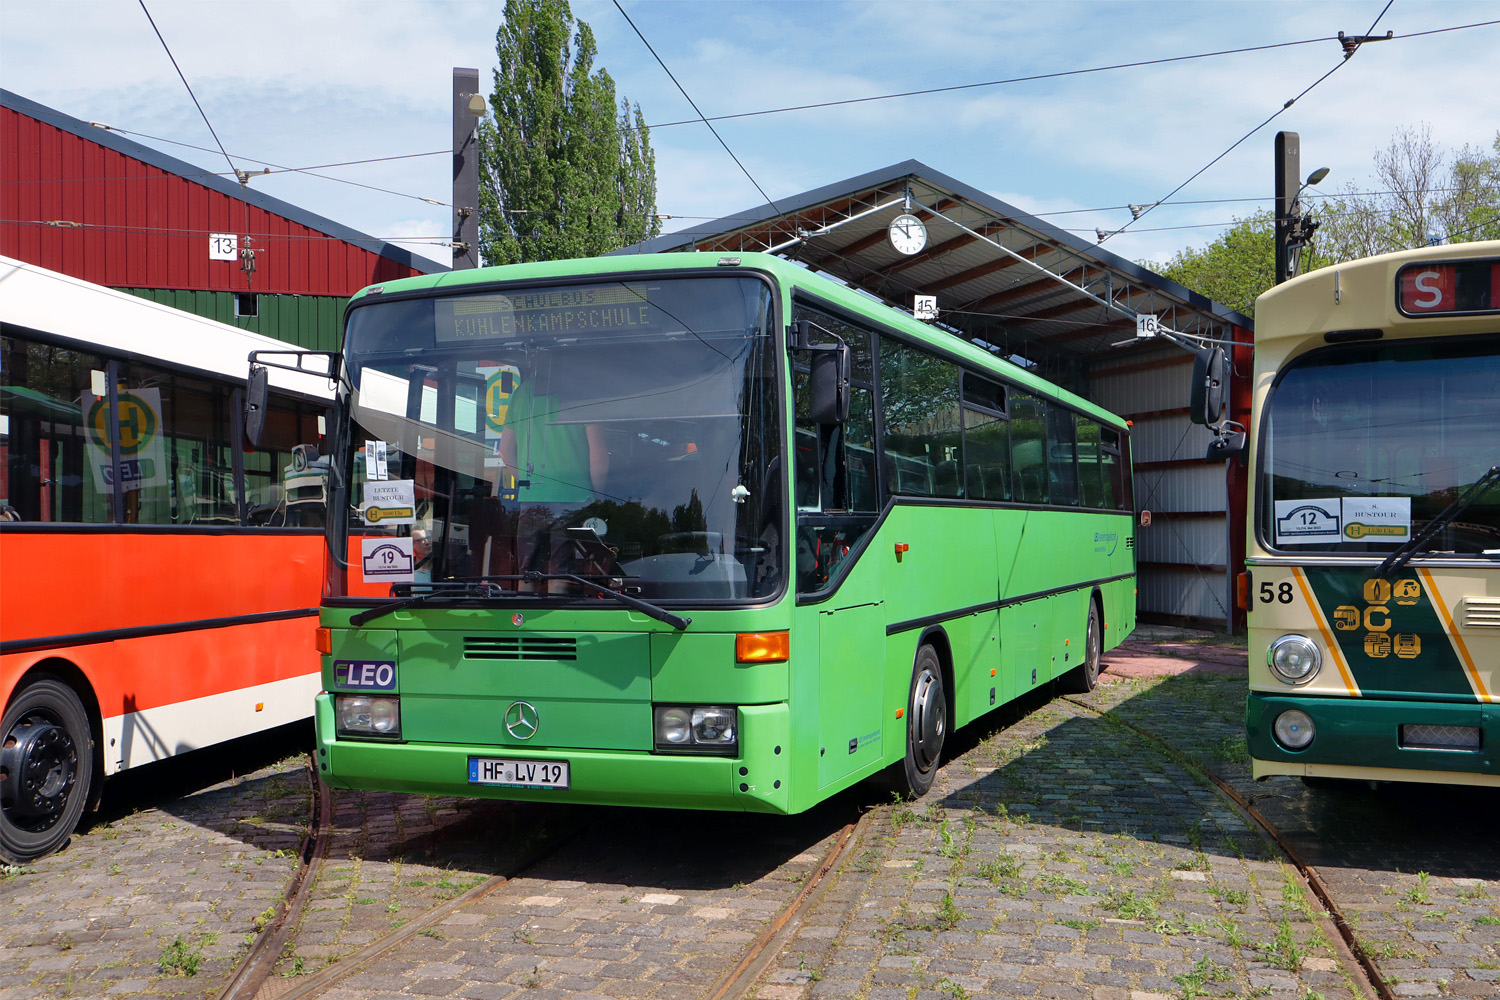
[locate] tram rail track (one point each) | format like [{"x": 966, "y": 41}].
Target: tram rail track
[
  {"x": 255, "y": 978},
  {"x": 1356, "y": 960}
]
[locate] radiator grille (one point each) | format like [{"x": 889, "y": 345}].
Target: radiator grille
[
  {"x": 1481, "y": 612},
  {"x": 519, "y": 647},
  {"x": 1428, "y": 737}
]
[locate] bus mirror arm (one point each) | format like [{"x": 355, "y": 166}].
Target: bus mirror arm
[{"x": 1229, "y": 441}]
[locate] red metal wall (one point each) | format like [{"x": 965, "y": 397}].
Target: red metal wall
[{"x": 142, "y": 227}]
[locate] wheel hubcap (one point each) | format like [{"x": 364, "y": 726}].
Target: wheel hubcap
[
  {"x": 38, "y": 768},
  {"x": 929, "y": 720}
]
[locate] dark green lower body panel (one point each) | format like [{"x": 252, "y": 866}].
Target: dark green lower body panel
[
  {"x": 754, "y": 782},
  {"x": 1363, "y": 732}
]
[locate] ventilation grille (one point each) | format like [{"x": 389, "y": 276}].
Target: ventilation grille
[
  {"x": 519, "y": 647},
  {"x": 1481, "y": 612},
  {"x": 1426, "y": 737}
]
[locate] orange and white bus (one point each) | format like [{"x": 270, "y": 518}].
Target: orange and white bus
[{"x": 175, "y": 611}]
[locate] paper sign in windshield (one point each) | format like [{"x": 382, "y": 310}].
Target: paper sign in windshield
[
  {"x": 393, "y": 501},
  {"x": 376, "y": 463},
  {"x": 1301, "y": 522},
  {"x": 386, "y": 560},
  {"x": 1377, "y": 519}
]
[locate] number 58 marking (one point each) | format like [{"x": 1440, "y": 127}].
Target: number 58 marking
[{"x": 1282, "y": 592}]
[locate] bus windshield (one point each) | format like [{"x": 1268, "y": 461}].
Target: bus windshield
[
  {"x": 1364, "y": 444},
  {"x": 622, "y": 432}
]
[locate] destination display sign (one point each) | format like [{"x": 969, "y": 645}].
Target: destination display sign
[
  {"x": 1449, "y": 288},
  {"x": 545, "y": 311}
]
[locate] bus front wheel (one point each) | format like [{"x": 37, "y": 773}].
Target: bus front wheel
[
  {"x": 46, "y": 767},
  {"x": 1085, "y": 677},
  {"x": 926, "y": 724}
]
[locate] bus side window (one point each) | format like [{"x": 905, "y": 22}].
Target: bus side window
[
  {"x": 835, "y": 481},
  {"x": 49, "y": 472},
  {"x": 919, "y": 399},
  {"x": 986, "y": 440},
  {"x": 1028, "y": 439},
  {"x": 1062, "y": 453}
]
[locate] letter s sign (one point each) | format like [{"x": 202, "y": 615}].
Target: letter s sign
[{"x": 1424, "y": 286}]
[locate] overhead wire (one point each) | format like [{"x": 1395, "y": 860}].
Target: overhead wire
[
  {"x": 1105, "y": 236},
  {"x": 694, "y": 105},
  {"x": 1056, "y": 75}
]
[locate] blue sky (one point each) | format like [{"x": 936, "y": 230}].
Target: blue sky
[{"x": 302, "y": 83}]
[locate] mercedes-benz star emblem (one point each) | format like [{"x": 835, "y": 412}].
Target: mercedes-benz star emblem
[{"x": 521, "y": 720}]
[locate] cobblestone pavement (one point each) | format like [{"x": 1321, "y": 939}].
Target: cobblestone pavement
[
  {"x": 163, "y": 901},
  {"x": 1059, "y": 856}
]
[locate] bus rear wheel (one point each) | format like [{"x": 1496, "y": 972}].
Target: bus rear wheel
[
  {"x": 1085, "y": 677},
  {"x": 46, "y": 767},
  {"x": 926, "y": 725}
]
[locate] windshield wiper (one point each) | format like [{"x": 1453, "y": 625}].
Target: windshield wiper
[
  {"x": 460, "y": 591},
  {"x": 660, "y": 614},
  {"x": 1401, "y": 556}
]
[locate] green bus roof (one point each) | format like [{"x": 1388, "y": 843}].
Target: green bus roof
[{"x": 784, "y": 270}]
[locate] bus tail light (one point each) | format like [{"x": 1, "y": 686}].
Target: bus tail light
[
  {"x": 377, "y": 716},
  {"x": 323, "y": 639},
  {"x": 762, "y": 647},
  {"x": 697, "y": 728}
]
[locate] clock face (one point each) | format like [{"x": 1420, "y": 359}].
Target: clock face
[{"x": 908, "y": 234}]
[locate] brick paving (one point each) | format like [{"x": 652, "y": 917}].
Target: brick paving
[{"x": 1060, "y": 856}]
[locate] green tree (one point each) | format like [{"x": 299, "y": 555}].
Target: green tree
[
  {"x": 1422, "y": 194},
  {"x": 1234, "y": 268},
  {"x": 564, "y": 170}
]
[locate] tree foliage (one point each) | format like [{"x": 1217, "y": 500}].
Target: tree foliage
[
  {"x": 1422, "y": 195},
  {"x": 565, "y": 171}
]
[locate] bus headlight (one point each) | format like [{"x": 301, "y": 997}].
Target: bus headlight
[
  {"x": 1294, "y": 658},
  {"x": 368, "y": 715},
  {"x": 1294, "y": 729},
  {"x": 700, "y": 728}
]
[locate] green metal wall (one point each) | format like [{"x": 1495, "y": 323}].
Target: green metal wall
[{"x": 308, "y": 321}]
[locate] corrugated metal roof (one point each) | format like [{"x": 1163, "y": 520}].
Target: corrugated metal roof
[
  {"x": 181, "y": 168},
  {"x": 1001, "y": 276}
]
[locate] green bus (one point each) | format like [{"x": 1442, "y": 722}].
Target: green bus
[{"x": 695, "y": 531}]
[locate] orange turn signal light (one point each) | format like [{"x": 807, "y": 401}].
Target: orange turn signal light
[
  {"x": 762, "y": 647},
  {"x": 323, "y": 639}
]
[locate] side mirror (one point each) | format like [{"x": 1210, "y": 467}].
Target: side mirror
[
  {"x": 1230, "y": 442},
  {"x": 830, "y": 385},
  {"x": 256, "y": 398},
  {"x": 1210, "y": 387}
]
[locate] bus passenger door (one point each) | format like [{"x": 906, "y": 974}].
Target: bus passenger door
[{"x": 851, "y": 672}]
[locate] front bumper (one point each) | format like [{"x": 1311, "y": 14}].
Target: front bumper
[
  {"x": 598, "y": 777},
  {"x": 1379, "y": 740}
]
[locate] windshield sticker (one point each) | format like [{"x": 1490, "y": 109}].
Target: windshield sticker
[
  {"x": 1377, "y": 519},
  {"x": 1299, "y": 522},
  {"x": 386, "y": 560},
  {"x": 376, "y": 466},
  {"x": 499, "y": 383},
  {"x": 391, "y": 502}
]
